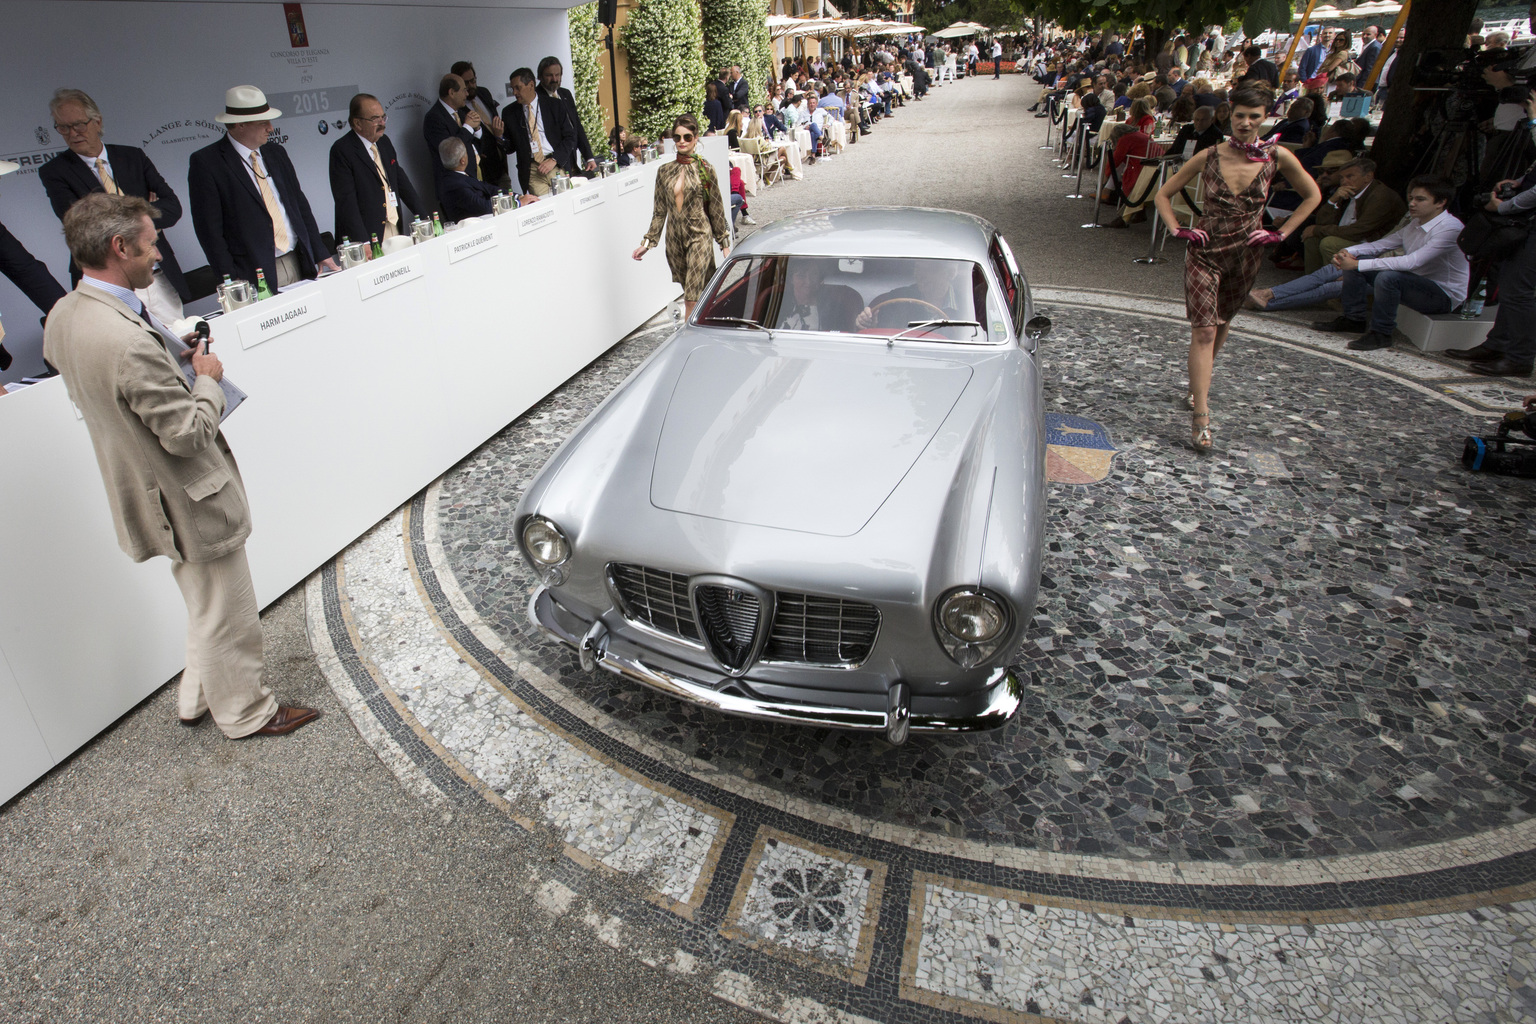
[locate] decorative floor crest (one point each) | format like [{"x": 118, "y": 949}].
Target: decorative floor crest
[{"x": 1078, "y": 450}]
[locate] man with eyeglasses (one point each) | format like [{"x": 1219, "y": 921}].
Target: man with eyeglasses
[
  {"x": 367, "y": 181},
  {"x": 247, "y": 206},
  {"x": 491, "y": 147},
  {"x": 90, "y": 166}
]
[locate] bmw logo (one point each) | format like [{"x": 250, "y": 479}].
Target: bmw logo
[{"x": 324, "y": 127}]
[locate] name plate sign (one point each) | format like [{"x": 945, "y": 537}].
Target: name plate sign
[
  {"x": 380, "y": 276},
  {"x": 630, "y": 182},
  {"x": 466, "y": 243},
  {"x": 588, "y": 198},
  {"x": 539, "y": 215},
  {"x": 281, "y": 315}
]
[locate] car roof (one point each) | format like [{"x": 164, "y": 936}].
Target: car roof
[{"x": 874, "y": 231}]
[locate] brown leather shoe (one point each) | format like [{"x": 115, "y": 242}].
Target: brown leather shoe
[
  {"x": 287, "y": 720},
  {"x": 189, "y": 722}
]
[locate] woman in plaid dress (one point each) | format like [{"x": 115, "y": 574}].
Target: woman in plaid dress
[
  {"x": 1226, "y": 245},
  {"x": 689, "y": 202}
]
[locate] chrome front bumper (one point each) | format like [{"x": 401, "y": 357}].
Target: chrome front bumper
[{"x": 600, "y": 648}]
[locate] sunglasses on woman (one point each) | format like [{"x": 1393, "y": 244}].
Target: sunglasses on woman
[{"x": 683, "y": 137}]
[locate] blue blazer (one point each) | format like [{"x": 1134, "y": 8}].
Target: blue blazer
[
  {"x": 67, "y": 180},
  {"x": 232, "y": 222},
  {"x": 463, "y": 197},
  {"x": 438, "y": 125}
]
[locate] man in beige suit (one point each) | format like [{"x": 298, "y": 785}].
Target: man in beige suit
[{"x": 171, "y": 480}]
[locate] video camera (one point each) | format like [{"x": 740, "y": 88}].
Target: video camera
[{"x": 1504, "y": 454}]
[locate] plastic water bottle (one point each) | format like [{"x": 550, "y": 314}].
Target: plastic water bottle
[{"x": 1473, "y": 307}]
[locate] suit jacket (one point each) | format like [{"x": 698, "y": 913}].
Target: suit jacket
[
  {"x": 232, "y": 222},
  {"x": 517, "y": 143},
  {"x": 28, "y": 273},
  {"x": 567, "y": 138},
  {"x": 438, "y": 125},
  {"x": 736, "y": 93},
  {"x": 67, "y": 179},
  {"x": 1376, "y": 214},
  {"x": 463, "y": 197},
  {"x": 358, "y": 192},
  {"x": 171, "y": 480},
  {"x": 1203, "y": 140},
  {"x": 492, "y": 151},
  {"x": 1367, "y": 58}
]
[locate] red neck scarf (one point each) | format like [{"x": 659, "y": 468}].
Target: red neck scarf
[{"x": 1258, "y": 152}]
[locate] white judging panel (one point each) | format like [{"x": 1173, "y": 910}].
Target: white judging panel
[
  {"x": 349, "y": 416},
  {"x": 588, "y": 199},
  {"x": 283, "y": 314},
  {"x": 629, "y": 183},
  {"x": 539, "y": 215},
  {"x": 382, "y": 275},
  {"x": 467, "y": 242}
]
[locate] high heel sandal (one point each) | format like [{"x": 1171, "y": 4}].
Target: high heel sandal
[
  {"x": 1202, "y": 436},
  {"x": 1189, "y": 401}
]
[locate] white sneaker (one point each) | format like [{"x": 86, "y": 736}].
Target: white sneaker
[{"x": 746, "y": 218}]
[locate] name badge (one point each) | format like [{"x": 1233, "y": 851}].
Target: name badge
[
  {"x": 470, "y": 243},
  {"x": 588, "y": 198},
  {"x": 630, "y": 183},
  {"x": 281, "y": 315},
  {"x": 539, "y": 215},
  {"x": 380, "y": 276},
  {"x": 389, "y": 200}
]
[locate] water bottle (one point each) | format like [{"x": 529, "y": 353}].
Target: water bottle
[
  {"x": 263, "y": 291},
  {"x": 1473, "y": 307}
]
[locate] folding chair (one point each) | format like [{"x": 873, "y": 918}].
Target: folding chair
[{"x": 769, "y": 168}]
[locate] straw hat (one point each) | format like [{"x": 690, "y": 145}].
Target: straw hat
[
  {"x": 246, "y": 103},
  {"x": 1336, "y": 158}
]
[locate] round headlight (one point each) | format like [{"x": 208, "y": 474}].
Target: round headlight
[
  {"x": 544, "y": 542},
  {"x": 971, "y": 617}
]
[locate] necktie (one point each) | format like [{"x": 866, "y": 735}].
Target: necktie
[
  {"x": 106, "y": 178},
  {"x": 391, "y": 213},
  {"x": 280, "y": 238},
  {"x": 533, "y": 131}
]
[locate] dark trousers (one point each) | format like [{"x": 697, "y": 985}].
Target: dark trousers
[
  {"x": 997, "y": 67},
  {"x": 1514, "y": 328},
  {"x": 1391, "y": 288}
]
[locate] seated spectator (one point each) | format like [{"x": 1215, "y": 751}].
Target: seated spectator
[
  {"x": 1133, "y": 146},
  {"x": 739, "y": 198},
  {"x": 461, "y": 196},
  {"x": 1338, "y": 137},
  {"x": 1205, "y": 94},
  {"x": 1122, "y": 99},
  {"x": 624, "y": 145},
  {"x": 1165, "y": 97},
  {"x": 1089, "y": 121},
  {"x": 1224, "y": 117},
  {"x": 1176, "y": 81},
  {"x": 714, "y": 110},
  {"x": 735, "y": 124},
  {"x": 1290, "y": 89},
  {"x": 826, "y": 127},
  {"x": 1201, "y": 133},
  {"x": 1141, "y": 117},
  {"x": 1430, "y": 276},
  {"x": 1359, "y": 210},
  {"x": 1294, "y": 127},
  {"x": 1183, "y": 110}
]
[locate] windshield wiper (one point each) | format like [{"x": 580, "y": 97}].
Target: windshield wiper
[
  {"x": 731, "y": 320},
  {"x": 916, "y": 324}
]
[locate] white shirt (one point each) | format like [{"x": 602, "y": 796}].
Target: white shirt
[
  {"x": 473, "y": 131},
  {"x": 1429, "y": 251},
  {"x": 997, "y": 50},
  {"x": 90, "y": 161},
  {"x": 245, "y": 161}
]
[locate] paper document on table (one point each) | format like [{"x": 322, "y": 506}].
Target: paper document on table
[{"x": 233, "y": 396}]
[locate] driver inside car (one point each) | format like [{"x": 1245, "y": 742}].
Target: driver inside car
[
  {"x": 929, "y": 297},
  {"x": 811, "y": 305}
]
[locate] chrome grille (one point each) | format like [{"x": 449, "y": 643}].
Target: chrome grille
[
  {"x": 821, "y": 630},
  {"x": 729, "y": 617},
  {"x": 655, "y": 598}
]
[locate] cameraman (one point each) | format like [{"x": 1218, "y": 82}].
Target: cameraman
[{"x": 1510, "y": 348}]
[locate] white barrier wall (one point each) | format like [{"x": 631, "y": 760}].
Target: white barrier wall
[
  {"x": 159, "y": 71},
  {"x": 375, "y": 381}
]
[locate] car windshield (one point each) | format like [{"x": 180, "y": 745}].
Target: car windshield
[{"x": 883, "y": 297}]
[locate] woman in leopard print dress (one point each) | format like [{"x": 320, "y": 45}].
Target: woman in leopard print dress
[{"x": 689, "y": 202}]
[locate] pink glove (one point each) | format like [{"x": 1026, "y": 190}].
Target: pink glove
[
  {"x": 1194, "y": 236},
  {"x": 1261, "y": 237}
]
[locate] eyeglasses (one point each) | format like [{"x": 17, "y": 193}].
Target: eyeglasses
[
  {"x": 683, "y": 137},
  {"x": 73, "y": 128},
  {"x": 374, "y": 120}
]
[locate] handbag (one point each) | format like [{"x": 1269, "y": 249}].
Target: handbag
[{"x": 1494, "y": 236}]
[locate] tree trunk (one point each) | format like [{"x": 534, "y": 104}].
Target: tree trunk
[
  {"x": 1431, "y": 25},
  {"x": 1155, "y": 37}
]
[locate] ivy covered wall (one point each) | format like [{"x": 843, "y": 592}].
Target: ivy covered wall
[
  {"x": 587, "y": 72},
  {"x": 736, "y": 32},
  {"x": 666, "y": 63}
]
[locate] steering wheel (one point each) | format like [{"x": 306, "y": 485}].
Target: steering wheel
[{"x": 877, "y": 307}]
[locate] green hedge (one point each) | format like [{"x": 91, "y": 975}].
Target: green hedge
[
  {"x": 587, "y": 72},
  {"x": 736, "y": 32},
  {"x": 666, "y": 63}
]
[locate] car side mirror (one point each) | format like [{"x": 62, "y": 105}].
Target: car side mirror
[{"x": 1037, "y": 327}]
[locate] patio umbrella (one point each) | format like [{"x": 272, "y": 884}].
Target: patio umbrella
[{"x": 956, "y": 31}]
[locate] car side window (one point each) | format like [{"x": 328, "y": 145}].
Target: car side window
[{"x": 1007, "y": 272}]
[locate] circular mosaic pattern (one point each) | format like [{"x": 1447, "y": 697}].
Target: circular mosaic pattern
[{"x": 1313, "y": 641}]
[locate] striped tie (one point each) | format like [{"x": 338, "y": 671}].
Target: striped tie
[{"x": 280, "y": 237}]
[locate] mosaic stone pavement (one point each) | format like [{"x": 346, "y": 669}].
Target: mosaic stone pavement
[{"x": 1273, "y": 762}]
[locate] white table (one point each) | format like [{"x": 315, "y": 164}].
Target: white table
[
  {"x": 385, "y": 380},
  {"x": 748, "y": 168}
]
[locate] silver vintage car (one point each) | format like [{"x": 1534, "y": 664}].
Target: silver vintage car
[{"x": 822, "y": 501}]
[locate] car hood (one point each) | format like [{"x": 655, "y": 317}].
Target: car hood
[{"x": 765, "y": 437}]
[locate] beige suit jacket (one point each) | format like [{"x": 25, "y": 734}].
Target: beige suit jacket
[{"x": 171, "y": 480}]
